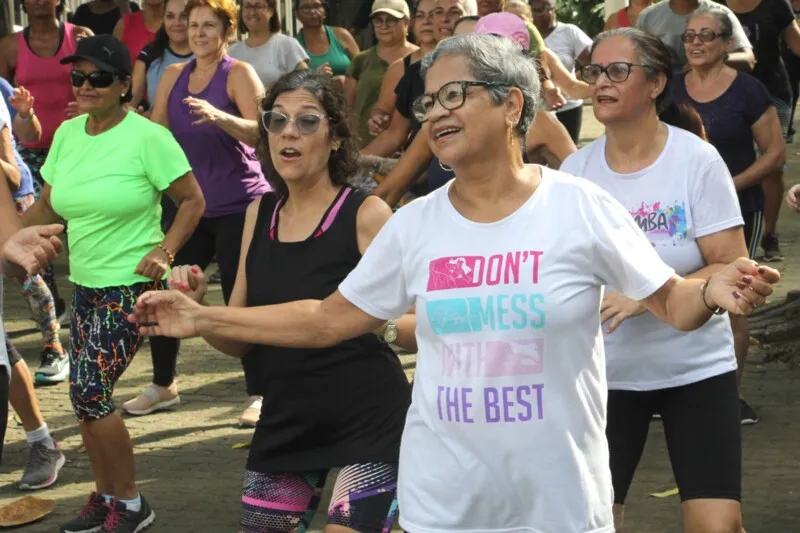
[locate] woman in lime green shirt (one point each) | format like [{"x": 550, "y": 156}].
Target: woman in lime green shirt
[{"x": 105, "y": 174}]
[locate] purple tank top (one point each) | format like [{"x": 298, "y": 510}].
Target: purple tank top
[{"x": 227, "y": 170}]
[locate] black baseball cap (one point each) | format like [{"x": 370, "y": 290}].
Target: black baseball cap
[{"x": 104, "y": 51}]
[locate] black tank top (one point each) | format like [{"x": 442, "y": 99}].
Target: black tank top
[{"x": 327, "y": 407}]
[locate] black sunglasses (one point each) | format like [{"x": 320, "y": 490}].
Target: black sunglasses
[
  {"x": 617, "y": 72},
  {"x": 307, "y": 123},
  {"x": 98, "y": 79}
]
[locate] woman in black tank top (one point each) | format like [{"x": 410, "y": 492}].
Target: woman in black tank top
[{"x": 322, "y": 408}]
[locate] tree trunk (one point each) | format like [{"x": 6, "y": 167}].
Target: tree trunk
[{"x": 776, "y": 328}]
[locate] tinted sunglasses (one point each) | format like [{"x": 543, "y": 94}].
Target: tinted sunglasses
[
  {"x": 98, "y": 79},
  {"x": 307, "y": 123}
]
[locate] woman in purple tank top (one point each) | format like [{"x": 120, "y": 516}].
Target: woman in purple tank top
[{"x": 211, "y": 106}]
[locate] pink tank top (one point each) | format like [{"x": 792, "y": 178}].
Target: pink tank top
[
  {"x": 48, "y": 81},
  {"x": 135, "y": 34},
  {"x": 622, "y": 18}
]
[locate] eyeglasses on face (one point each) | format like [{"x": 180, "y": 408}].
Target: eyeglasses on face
[
  {"x": 306, "y": 123},
  {"x": 617, "y": 72},
  {"x": 451, "y": 96},
  {"x": 706, "y": 35},
  {"x": 98, "y": 79},
  {"x": 384, "y": 20}
]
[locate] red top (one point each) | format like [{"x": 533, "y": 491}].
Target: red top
[
  {"x": 622, "y": 18},
  {"x": 135, "y": 34},
  {"x": 48, "y": 81}
]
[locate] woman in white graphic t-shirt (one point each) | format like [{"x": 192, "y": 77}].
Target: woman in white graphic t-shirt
[
  {"x": 505, "y": 266},
  {"x": 681, "y": 194}
]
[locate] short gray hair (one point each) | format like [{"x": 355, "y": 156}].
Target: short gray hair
[
  {"x": 470, "y": 7},
  {"x": 497, "y": 60},
  {"x": 716, "y": 11}
]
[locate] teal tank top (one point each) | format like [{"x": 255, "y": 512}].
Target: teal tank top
[{"x": 336, "y": 57}]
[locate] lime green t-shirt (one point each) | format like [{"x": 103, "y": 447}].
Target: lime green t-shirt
[{"x": 108, "y": 188}]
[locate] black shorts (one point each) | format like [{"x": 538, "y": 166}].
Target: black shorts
[
  {"x": 703, "y": 431},
  {"x": 753, "y": 229},
  {"x": 13, "y": 355}
]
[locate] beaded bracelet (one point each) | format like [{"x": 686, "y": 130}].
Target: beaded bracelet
[{"x": 170, "y": 255}]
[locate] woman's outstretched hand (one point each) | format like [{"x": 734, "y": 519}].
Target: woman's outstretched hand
[
  {"x": 741, "y": 286},
  {"x": 165, "y": 313}
]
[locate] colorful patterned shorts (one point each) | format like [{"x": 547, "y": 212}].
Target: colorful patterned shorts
[
  {"x": 364, "y": 499},
  {"x": 102, "y": 345},
  {"x": 34, "y": 158}
]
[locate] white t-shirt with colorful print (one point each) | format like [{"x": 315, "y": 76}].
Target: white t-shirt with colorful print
[
  {"x": 506, "y": 431},
  {"x": 686, "y": 194}
]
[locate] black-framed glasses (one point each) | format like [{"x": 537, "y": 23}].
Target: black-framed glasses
[
  {"x": 706, "y": 35},
  {"x": 384, "y": 20},
  {"x": 307, "y": 123},
  {"x": 617, "y": 72},
  {"x": 98, "y": 79},
  {"x": 450, "y": 95}
]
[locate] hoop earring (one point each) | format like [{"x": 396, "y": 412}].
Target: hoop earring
[{"x": 446, "y": 169}]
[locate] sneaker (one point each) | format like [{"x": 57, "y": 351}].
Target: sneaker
[
  {"x": 54, "y": 367},
  {"x": 772, "y": 250},
  {"x": 151, "y": 401},
  {"x": 215, "y": 278},
  {"x": 91, "y": 517},
  {"x": 250, "y": 416},
  {"x": 42, "y": 468},
  {"x": 120, "y": 520},
  {"x": 749, "y": 415}
]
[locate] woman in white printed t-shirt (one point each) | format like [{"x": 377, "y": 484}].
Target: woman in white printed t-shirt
[
  {"x": 680, "y": 192},
  {"x": 509, "y": 400}
]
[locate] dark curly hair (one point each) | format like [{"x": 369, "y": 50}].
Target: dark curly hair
[{"x": 342, "y": 163}]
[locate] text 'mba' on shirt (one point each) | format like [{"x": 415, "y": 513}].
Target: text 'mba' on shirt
[
  {"x": 686, "y": 194},
  {"x": 510, "y": 389}
]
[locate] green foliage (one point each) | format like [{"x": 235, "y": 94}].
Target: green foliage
[{"x": 586, "y": 14}]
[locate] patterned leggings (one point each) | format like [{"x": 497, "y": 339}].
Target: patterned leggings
[
  {"x": 103, "y": 344},
  {"x": 38, "y": 295},
  {"x": 364, "y": 499}
]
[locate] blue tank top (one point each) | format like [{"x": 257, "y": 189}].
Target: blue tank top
[
  {"x": 336, "y": 56},
  {"x": 157, "y": 68}
]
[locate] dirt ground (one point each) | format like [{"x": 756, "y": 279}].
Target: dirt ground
[{"x": 190, "y": 473}]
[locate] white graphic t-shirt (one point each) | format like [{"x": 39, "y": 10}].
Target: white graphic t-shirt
[
  {"x": 506, "y": 431},
  {"x": 686, "y": 194}
]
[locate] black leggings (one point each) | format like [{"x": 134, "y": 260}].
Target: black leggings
[
  {"x": 793, "y": 68},
  {"x": 572, "y": 120},
  {"x": 702, "y": 424},
  {"x": 5, "y": 382},
  {"x": 218, "y": 235}
]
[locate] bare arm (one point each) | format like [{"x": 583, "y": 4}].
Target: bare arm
[
  {"x": 8, "y": 57},
  {"x": 575, "y": 88},
  {"x": 168, "y": 79},
  {"x": 791, "y": 36},
  {"x": 119, "y": 28},
  {"x": 391, "y": 139},
  {"x": 742, "y": 59},
  {"x": 769, "y": 139},
  {"x": 246, "y": 90},
  {"x": 187, "y": 196},
  {"x": 8, "y": 164},
  {"x": 28, "y": 128},
  {"x": 139, "y": 81},
  {"x": 387, "y": 97},
  {"x": 410, "y": 165},
  {"x": 347, "y": 41},
  {"x": 41, "y": 213}
]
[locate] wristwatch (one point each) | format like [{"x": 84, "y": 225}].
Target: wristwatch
[
  {"x": 389, "y": 333},
  {"x": 29, "y": 117}
]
